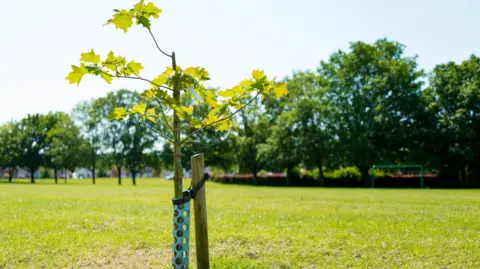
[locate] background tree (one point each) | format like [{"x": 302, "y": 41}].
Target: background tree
[
  {"x": 10, "y": 148},
  {"x": 375, "y": 90},
  {"x": 89, "y": 121},
  {"x": 114, "y": 134},
  {"x": 138, "y": 141},
  {"x": 454, "y": 96},
  {"x": 34, "y": 141},
  {"x": 64, "y": 144},
  {"x": 253, "y": 131},
  {"x": 218, "y": 148}
]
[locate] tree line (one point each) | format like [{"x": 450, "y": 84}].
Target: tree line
[{"x": 369, "y": 105}]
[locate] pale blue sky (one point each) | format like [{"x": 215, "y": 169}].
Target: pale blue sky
[{"x": 39, "y": 40}]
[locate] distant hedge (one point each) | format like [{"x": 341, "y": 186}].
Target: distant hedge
[{"x": 341, "y": 180}]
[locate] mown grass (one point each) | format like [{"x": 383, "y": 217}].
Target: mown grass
[{"x": 78, "y": 225}]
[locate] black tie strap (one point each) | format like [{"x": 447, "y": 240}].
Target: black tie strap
[{"x": 190, "y": 193}]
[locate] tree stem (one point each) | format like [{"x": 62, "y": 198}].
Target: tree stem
[{"x": 177, "y": 158}]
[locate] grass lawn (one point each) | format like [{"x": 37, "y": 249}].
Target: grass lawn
[{"x": 78, "y": 225}]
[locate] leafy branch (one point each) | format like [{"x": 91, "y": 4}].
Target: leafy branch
[
  {"x": 159, "y": 133},
  {"x": 220, "y": 120},
  {"x": 138, "y": 78}
]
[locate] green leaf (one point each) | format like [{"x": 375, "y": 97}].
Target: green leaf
[
  {"x": 75, "y": 76},
  {"x": 93, "y": 69},
  {"x": 90, "y": 57},
  {"x": 144, "y": 21},
  {"x": 122, "y": 19}
]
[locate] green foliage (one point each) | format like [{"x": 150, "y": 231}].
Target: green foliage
[
  {"x": 344, "y": 172},
  {"x": 262, "y": 172},
  {"x": 34, "y": 140},
  {"x": 10, "y": 146},
  {"x": 454, "y": 98},
  {"x": 375, "y": 90},
  {"x": 64, "y": 143}
]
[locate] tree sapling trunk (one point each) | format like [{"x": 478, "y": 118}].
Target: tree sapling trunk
[
  {"x": 32, "y": 176},
  {"x": 55, "y": 174},
  {"x": 119, "y": 169}
]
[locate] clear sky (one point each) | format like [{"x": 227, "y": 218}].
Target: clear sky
[{"x": 39, "y": 40}]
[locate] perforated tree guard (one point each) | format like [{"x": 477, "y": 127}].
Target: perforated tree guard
[{"x": 181, "y": 235}]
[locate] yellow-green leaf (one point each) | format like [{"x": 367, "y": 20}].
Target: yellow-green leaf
[
  {"x": 258, "y": 74},
  {"x": 139, "y": 109},
  {"x": 75, "y": 76},
  {"x": 90, "y": 57},
  {"x": 106, "y": 77},
  {"x": 135, "y": 67},
  {"x": 280, "y": 90},
  {"x": 163, "y": 77},
  {"x": 169, "y": 71},
  {"x": 139, "y": 6},
  {"x": 227, "y": 93},
  {"x": 223, "y": 125},
  {"x": 152, "y": 119},
  {"x": 118, "y": 114},
  {"x": 246, "y": 83},
  {"x": 122, "y": 19},
  {"x": 152, "y": 10},
  {"x": 148, "y": 94},
  {"x": 188, "y": 110},
  {"x": 160, "y": 79},
  {"x": 108, "y": 63},
  {"x": 197, "y": 72},
  {"x": 211, "y": 118},
  {"x": 151, "y": 111}
]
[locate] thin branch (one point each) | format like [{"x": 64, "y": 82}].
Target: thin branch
[
  {"x": 139, "y": 78},
  {"x": 156, "y": 44},
  {"x": 160, "y": 133},
  {"x": 220, "y": 120},
  {"x": 163, "y": 114}
]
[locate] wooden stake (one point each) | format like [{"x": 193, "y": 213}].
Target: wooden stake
[{"x": 200, "y": 212}]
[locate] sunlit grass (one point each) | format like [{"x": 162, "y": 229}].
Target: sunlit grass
[{"x": 78, "y": 225}]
